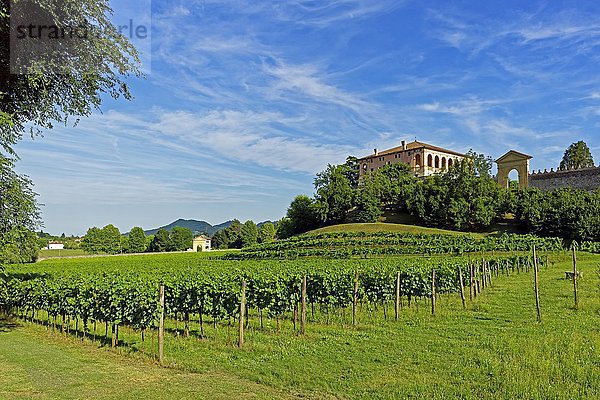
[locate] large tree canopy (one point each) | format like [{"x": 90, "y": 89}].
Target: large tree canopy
[
  {"x": 53, "y": 89},
  {"x": 577, "y": 156}
]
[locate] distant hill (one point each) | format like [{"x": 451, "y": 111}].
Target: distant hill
[{"x": 196, "y": 226}]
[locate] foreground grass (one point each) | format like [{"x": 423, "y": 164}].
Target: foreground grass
[
  {"x": 495, "y": 349},
  {"x": 36, "y": 364}
]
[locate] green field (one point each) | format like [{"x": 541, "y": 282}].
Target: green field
[{"x": 494, "y": 349}]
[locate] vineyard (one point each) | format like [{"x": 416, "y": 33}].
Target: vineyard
[
  {"x": 309, "y": 322},
  {"x": 210, "y": 290},
  {"x": 364, "y": 244}
]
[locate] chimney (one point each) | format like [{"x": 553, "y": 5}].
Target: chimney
[
  {"x": 375, "y": 151},
  {"x": 404, "y": 145}
]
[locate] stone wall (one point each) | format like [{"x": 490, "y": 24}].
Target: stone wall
[{"x": 587, "y": 179}]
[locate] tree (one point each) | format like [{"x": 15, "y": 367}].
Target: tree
[
  {"x": 149, "y": 241},
  {"x": 333, "y": 194},
  {"x": 72, "y": 85},
  {"x": 368, "y": 206},
  {"x": 19, "y": 215},
  {"x": 392, "y": 185},
  {"x": 161, "y": 241},
  {"x": 110, "y": 239},
  {"x": 19, "y": 246},
  {"x": 137, "y": 240},
  {"x": 92, "y": 241},
  {"x": 124, "y": 245},
  {"x": 266, "y": 233},
  {"x": 220, "y": 239},
  {"x": 577, "y": 155},
  {"x": 233, "y": 235},
  {"x": 181, "y": 239},
  {"x": 465, "y": 198},
  {"x": 303, "y": 215},
  {"x": 18, "y": 205},
  {"x": 351, "y": 171},
  {"x": 249, "y": 234},
  {"x": 284, "y": 228}
]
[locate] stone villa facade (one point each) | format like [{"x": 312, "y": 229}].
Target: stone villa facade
[{"x": 423, "y": 158}]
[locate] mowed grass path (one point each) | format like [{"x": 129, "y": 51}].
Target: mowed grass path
[
  {"x": 494, "y": 350},
  {"x": 37, "y": 365}
]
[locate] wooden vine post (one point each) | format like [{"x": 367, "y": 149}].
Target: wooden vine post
[
  {"x": 471, "y": 279},
  {"x": 575, "y": 277},
  {"x": 355, "y": 298},
  {"x": 303, "y": 308},
  {"x": 397, "y": 303},
  {"x": 433, "y": 292},
  {"x": 161, "y": 324},
  {"x": 242, "y": 315},
  {"x": 462, "y": 288},
  {"x": 536, "y": 285}
]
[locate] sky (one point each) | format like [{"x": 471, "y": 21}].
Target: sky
[{"x": 245, "y": 101}]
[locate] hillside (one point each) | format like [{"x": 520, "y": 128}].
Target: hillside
[{"x": 386, "y": 227}]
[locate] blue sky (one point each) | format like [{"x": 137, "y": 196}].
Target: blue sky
[{"x": 245, "y": 101}]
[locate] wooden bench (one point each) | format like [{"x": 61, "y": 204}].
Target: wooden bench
[{"x": 569, "y": 275}]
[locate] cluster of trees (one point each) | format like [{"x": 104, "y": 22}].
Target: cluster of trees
[
  {"x": 178, "y": 239},
  {"x": 239, "y": 235},
  {"x": 109, "y": 240},
  {"x": 567, "y": 213},
  {"x": 465, "y": 198}
]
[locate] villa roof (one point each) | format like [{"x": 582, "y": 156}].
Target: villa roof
[{"x": 413, "y": 146}]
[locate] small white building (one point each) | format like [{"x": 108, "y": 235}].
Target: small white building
[
  {"x": 201, "y": 243},
  {"x": 56, "y": 246}
]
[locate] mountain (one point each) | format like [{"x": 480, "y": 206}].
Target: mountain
[
  {"x": 194, "y": 225},
  {"x": 198, "y": 226}
]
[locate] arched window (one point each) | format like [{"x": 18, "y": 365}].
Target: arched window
[
  {"x": 444, "y": 163},
  {"x": 430, "y": 161},
  {"x": 418, "y": 160},
  {"x": 437, "y": 161},
  {"x": 450, "y": 163}
]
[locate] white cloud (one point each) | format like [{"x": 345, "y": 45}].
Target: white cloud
[
  {"x": 250, "y": 137},
  {"x": 462, "y": 108},
  {"x": 308, "y": 80}
]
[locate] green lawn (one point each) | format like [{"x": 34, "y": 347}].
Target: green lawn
[{"x": 495, "y": 349}]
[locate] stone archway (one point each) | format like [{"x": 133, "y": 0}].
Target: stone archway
[{"x": 513, "y": 160}]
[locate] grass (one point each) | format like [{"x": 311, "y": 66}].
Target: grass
[
  {"x": 36, "y": 364},
  {"x": 495, "y": 349},
  {"x": 386, "y": 227},
  {"x": 45, "y": 253}
]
